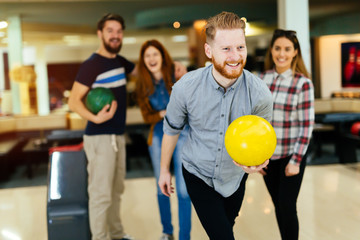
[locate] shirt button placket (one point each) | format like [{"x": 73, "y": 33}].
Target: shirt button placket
[{"x": 221, "y": 131}]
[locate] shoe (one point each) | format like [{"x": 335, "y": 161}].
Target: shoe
[
  {"x": 165, "y": 236},
  {"x": 125, "y": 237}
]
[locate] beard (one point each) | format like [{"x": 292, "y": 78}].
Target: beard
[
  {"x": 233, "y": 74},
  {"x": 110, "y": 49}
]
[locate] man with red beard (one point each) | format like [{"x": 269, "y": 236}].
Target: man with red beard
[
  {"x": 104, "y": 141},
  {"x": 209, "y": 99}
]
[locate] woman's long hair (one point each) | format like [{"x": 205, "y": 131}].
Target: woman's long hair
[
  {"x": 145, "y": 83},
  {"x": 297, "y": 64}
]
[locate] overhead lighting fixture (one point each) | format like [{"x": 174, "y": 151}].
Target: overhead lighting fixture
[
  {"x": 3, "y": 24},
  {"x": 176, "y": 24}
]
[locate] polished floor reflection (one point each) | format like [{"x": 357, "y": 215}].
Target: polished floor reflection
[{"x": 328, "y": 206}]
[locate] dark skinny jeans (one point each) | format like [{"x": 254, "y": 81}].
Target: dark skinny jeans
[
  {"x": 284, "y": 192},
  {"x": 216, "y": 213}
]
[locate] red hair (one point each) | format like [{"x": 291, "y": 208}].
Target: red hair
[{"x": 145, "y": 84}]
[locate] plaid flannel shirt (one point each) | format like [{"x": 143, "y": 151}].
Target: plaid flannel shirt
[{"x": 293, "y": 113}]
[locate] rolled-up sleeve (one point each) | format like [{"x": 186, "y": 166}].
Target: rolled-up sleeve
[{"x": 175, "y": 118}]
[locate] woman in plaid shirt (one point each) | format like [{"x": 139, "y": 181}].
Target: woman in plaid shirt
[{"x": 293, "y": 120}]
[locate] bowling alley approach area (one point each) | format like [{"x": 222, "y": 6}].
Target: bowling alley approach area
[
  {"x": 328, "y": 208},
  {"x": 328, "y": 204}
]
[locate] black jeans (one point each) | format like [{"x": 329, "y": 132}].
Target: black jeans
[
  {"x": 216, "y": 213},
  {"x": 284, "y": 192}
]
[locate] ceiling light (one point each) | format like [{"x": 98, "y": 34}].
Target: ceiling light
[{"x": 176, "y": 24}]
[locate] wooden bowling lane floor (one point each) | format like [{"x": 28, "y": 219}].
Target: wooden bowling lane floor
[{"x": 328, "y": 207}]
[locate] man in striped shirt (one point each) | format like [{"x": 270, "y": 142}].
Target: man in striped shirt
[{"x": 104, "y": 141}]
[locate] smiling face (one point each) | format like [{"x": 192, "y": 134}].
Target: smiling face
[
  {"x": 228, "y": 53},
  {"x": 153, "y": 60},
  {"x": 111, "y": 36},
  {"x": 283, "y": 53}
]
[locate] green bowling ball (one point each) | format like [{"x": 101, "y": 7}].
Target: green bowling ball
[{"x": 97, "y": 98}]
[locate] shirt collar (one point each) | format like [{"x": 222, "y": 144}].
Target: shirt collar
[{"x": 284, "y": 75}]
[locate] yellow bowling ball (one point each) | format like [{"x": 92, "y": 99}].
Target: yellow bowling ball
[{"x": 250, "y": 140}]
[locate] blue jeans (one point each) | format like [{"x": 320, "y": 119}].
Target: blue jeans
[{"x": 183, "y": 197}]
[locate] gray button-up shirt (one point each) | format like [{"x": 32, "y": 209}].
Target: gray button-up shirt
[{"x": 197, "y": 99}]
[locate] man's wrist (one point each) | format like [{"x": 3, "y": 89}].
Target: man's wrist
[{"x": 164, "y": 169}]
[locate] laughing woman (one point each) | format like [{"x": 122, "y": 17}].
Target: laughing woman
[
  {"x": 156, "y": 77},
  {"x": 293, "y": 120}
]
